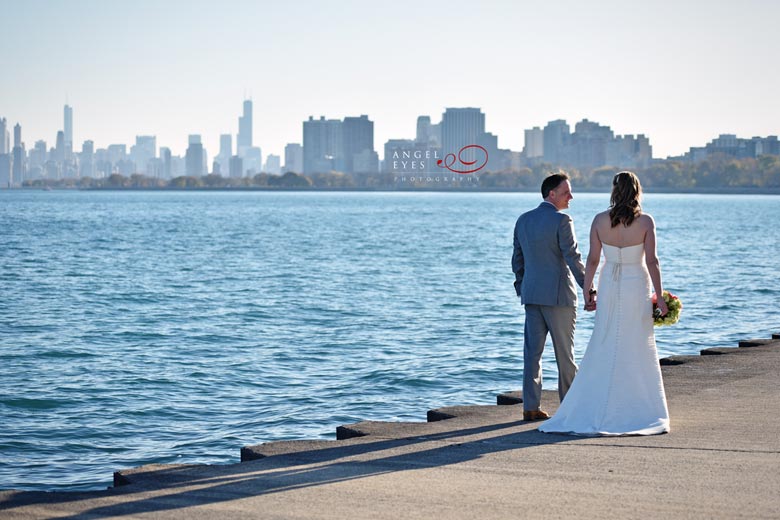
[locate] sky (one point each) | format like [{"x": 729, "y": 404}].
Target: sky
[{"x": 680, "y": 72}]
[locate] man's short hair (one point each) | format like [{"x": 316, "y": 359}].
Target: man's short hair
[{"x": 552, "y": 182}]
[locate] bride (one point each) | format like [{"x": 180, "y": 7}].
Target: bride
[{"x": 618, "y": 389}]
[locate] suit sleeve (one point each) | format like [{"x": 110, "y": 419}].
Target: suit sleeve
[
  {"x": 518, "y": 263},
  {"x": 571, "y": 253}
]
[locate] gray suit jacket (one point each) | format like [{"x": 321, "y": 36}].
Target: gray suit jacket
[{"x": 546, "y": 260}]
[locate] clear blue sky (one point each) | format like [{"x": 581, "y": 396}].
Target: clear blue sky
[{"x": 680, "y": 72}]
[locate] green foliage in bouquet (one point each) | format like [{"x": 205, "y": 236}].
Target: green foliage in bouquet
[{"x": 673, "y": 316}]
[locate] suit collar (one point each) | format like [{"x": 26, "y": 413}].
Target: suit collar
[{"x": 548, "y": 205}]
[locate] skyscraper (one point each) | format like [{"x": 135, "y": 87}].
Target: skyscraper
[
  {"x": 59, "y": 148},
  {"x": 423, "y": 129},
  {"x": 5, "y": 170},
  {"x": 68, "y": 130},
  {"x": 462, "y": 127},
  {"x": 225, "y": 153},
  {"x": 5, "y": 145},
  {"x": 244, "y": 138},
  {"x": 144, "y": 150},
  {"x": 87, "y": 159},
  {"x": 273, "y": 164},
  {"x": 236, "y": 170},
  {"x": 19, "y": 156},
  {"x": 534, "y": 143},
  {"x": 293, "y": 158},
  {"x": 165, "y": 160},
  {"x": 358, "y": 137},
  {"x": 556, "y": 140},
  {"x": 323, "y": 145},
  {"x": 226, "y": 146},
  {"x": 194, "y": 157}
]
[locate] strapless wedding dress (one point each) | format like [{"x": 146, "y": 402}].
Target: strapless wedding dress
[{"x": 618, "y": 389}]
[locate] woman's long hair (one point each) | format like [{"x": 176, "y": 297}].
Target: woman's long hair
[{"x": 624, "y": 203}]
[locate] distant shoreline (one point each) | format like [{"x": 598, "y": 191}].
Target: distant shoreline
[{"x": 681, "y": 191}]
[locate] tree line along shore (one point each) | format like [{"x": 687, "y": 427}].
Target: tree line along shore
[{"x": 714, "y": 174}]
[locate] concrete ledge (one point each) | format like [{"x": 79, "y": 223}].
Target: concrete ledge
[
  {"x": 676, "y": 360},
  {"x": 509, "y": 398},
  {"x": 147, "y": 474},
  {"x": 486, "y": 462},
  {"x": 437, "y": 415},
  {"x": 758, "y": 343},
  {"x": 717, "y": 351}
]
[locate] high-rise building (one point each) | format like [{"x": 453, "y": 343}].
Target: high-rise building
[
  {"x": 534, "y": 143},
  {"x": 19, "y": 157},
  {"x": 225, "y": 153},
  {"x": 59, "y": 148},
  {"x": 38, "y": 154},
  {"x": 590, "y": 141},
  {"x": 244, "y": 138},
  {"x": 195, "y": 157},
  {"x": 253, "y": 160},
  {"x": 358, "y": 136},
  {"x": 323, "y": 145},
  {"x": 115, "y": 154},
  {"x": 273, "y": 164},
  {"x": 166, "y": 163},
  {"x": 366, "y": 161},
  {"x": 236, "y": 167},
  {"x": 396, "y": 151},
  {"x": 226, "y": 145},
  {"x": 556, "y": 139},
  {"x": 87, "y": 159},
  {"x": 461, "y": 127},
  {"x": 293, "y": 158},
  {"x": 144, "y": 150},
  {"x": 68, "y": 130},
  {"x": 6, "y": 177},
  {"x": 423, "y": 129},
  {"x": 5, "y": 145}
]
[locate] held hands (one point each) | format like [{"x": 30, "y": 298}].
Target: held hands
[{"x": 590, "y": 300}]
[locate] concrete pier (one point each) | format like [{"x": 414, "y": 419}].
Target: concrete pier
[{"x": 721, "y": 460}]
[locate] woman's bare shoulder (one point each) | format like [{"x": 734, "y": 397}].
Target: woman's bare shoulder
[{"x": 646, "y": 220}]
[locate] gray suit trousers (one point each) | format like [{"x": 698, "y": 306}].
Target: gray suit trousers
[{"x": 559, "y": 322}]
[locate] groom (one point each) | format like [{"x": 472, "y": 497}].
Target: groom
[{"x": 546, "y": 263}]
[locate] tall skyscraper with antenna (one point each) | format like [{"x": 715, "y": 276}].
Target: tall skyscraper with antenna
[
  {"x": 68, "y": 130},
  {"x": 244, "y": 138}
]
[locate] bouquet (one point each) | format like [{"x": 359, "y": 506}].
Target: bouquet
[{"x": 673, "y": 316}]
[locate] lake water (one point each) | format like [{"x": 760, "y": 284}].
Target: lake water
[{"x": 176, "y": 327}]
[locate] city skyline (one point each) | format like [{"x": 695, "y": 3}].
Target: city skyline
[
  {"x": 680, "y": 74},
  {"x": 348, "y": 146}
]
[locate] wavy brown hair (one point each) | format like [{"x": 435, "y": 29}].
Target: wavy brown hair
[{"x": 624, "y": 204}]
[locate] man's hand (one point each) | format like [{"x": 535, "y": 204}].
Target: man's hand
[{"x": 590, "y": 300}]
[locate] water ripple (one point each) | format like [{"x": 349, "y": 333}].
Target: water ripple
[{"x": 177, "y": 327}]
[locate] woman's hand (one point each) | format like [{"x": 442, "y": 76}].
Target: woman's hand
[
  {"x": 590, "y": 300},
  {"x": 662, "y": 307}
]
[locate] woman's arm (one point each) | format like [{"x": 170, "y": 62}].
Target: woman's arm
[
  {"x": 654, "y": 265},
  {"x": 592, "y": 263}
]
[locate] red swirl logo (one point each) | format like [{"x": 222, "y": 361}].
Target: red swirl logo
[{"x": 450, "y": 159}]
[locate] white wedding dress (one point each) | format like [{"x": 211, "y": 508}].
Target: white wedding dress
[{"x": 618, "y": 389}]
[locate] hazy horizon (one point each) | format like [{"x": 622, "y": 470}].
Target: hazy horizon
[{"x": 680, "y": 74}]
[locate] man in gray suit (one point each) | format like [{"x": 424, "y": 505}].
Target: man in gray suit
[{"x": 546, "y": 263}]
